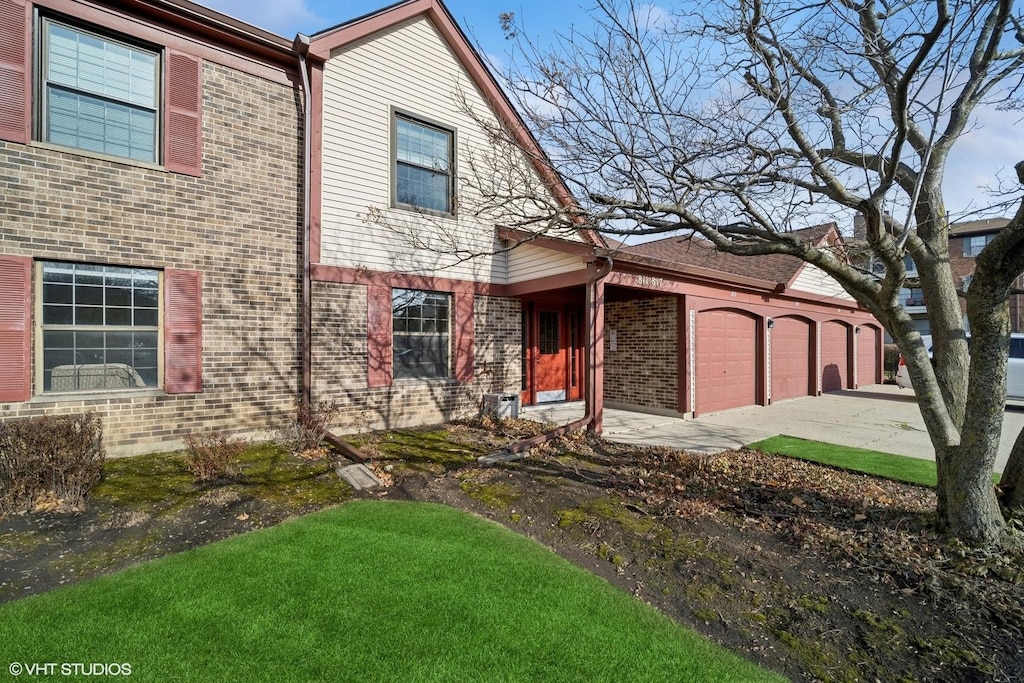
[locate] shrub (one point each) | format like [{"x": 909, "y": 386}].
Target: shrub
[
  {"x": 306, "y": 428},
  {"x": 54, "y": 459},
  {"x": 212, "y": 455},
  {"x": 892, "y": 357}
]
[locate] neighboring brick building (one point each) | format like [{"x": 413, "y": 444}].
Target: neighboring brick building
[
  {"x": 149, "y": 253},
  {"x": 966, "y": 240}
]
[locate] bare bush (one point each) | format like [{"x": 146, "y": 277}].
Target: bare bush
[
  {"x": 307, "y": 426},
  {"x": 212, "y": 455},
  {"x": 51, "y": 461}
]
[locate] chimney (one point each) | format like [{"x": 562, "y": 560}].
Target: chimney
[{"x": 860, "y": 227}]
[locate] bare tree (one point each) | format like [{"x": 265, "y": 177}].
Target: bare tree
[{"x": 743, "y": 119}]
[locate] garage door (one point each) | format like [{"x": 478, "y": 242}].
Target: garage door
[
  {"x": 726, "y": 361},
  {"x": 835, "y": 357},
  {"x": 791, "y": 358},
  {"x": 867, "y": 355}
]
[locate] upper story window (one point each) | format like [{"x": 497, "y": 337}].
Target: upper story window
[
  {"x": 100, "y": 327},
  {"x": 975, "y": 243},
  {"x": 911, "y": 296},
  {"x": 424, "y": 165},
  {"x": 98, "y": 94}
]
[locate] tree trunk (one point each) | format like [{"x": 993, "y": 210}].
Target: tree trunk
[{"x": 971, "y": 512}]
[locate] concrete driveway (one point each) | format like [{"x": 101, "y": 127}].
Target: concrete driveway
[{"x": 881, "y": 417}]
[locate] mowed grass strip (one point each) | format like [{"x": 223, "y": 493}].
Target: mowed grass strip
[
  {"x": 896, "y": 467},
  {"x": 371, "y": 590}
]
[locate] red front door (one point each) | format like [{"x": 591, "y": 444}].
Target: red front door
[
  {"x": 553, "y": 353},
  {"x": 552, "y": 357}
]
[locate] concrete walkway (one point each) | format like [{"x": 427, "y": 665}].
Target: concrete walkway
[{"x": 881, "y": 417}]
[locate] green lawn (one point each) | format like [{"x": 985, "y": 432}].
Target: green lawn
[
  {"x": 898, "y": 467},
  {"x": 381, "y": 591}
]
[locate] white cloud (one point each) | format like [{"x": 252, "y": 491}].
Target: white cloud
[
  {"x": 283, "y": 17},
  {"x": 494, "y": 61},
  {"x": 983, "y": 156},
  {"x": 654, "y": 17}
]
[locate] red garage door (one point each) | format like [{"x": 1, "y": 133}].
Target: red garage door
[
  {"x": 726, "y": 361},
  {"x": 867, "y": 355},
  {"x": 791, "y": 358},
  {"x": 835, "y": 357}
]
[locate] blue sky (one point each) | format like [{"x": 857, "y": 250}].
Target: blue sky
[
  {"x": 478, "y": 19},
  {"x": 992, "y": 147}
]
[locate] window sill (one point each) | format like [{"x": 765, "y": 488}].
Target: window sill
[
  {"x": 57, "y": 397},
  {"x": 410, "y": 208},
  {"x": 429, "y": 381},
  {"x": 97, "y": 155}
]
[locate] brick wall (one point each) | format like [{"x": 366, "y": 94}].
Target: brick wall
[
  {"x": 340, "y": 364},
  {"x": 239, "y": 224},
  {"x": 644, "y": 370}
]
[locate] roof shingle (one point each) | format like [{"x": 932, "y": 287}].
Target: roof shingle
[{"x": 699, "y": 252}]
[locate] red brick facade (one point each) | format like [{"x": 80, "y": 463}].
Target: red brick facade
[
  {"x": 234, "y": 228},
  {"x": 342, "y": 363},
  {"x": 963, "y": 268}
]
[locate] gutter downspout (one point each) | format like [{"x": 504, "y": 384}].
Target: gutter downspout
[
  {"x": 301, "y": 48},
  {"x": 513, "y": 451}
]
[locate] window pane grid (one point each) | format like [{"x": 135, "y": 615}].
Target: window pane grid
[
  {"x": 974, "y": 244},
  {"x": 101, "y": 95},
  {"x": 548, "y": 333},
  {"x": 423, "y": 165},
  {"x": 89, "y": 343},
  {"x": 420, "y": 333}
]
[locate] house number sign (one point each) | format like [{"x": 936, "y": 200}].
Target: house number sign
[{"x": 649, "y": 281}]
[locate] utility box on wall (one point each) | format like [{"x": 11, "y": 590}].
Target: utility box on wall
[{"x": 501, "y": 406}]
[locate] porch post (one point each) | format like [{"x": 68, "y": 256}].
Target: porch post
[{"x": 597, "y": 393}]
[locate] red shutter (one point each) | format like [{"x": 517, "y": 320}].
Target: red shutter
[
  {"x": 183, "y": 331},
  {"x": 15, "y": 70},
  {"x": 15, "y": 327},
  {"x": 464, "y": 329},
  {"x": 378, "y": 336},
  {"x": 184, "y": 124}
]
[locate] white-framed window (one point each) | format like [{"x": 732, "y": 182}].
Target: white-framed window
[
  {"x": 975, "y": 243},
  {"x": 968, "y": 279},
  {"x": 424, "y": 165},
  {"x": 421, "y": 339},
  {"x": 100, "y": 327},
  {"x": 911, "y": 296},
  {"x": 97, "y": 93}
]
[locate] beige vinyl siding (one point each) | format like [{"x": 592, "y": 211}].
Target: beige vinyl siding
[
  {"x": 816, "y": 281},
  {"x": 409, "y": 68},
  {"x": 529, "y": 262}
]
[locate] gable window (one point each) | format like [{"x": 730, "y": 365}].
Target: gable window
[
  {"x": 420, "y": 340},
  {"x": 423, "y": 165},
  {"x": 100, "y": 327},
  {"x": 98, "y": 94}
]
